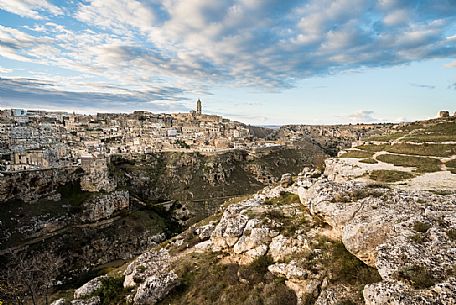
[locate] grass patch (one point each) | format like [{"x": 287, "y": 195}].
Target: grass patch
[
  {"x": 387, "y": 137},
  {"x": 373, "y": 148},
  {"x": 342, "y": 266},
  {"x": 418, "y": 276},
  {"x": 451, "y": 163},
  {"x": 418, "y": 238},
  {"x": 451, "y": 233},
  {"x": 207, "y": 281},
  {"x": 440, "y": 132},
  {"x": 421, "y": 227},
  {"x": 356, "y": 194},
  {"x": 369, "y": 161},
  {"x": 388, "y": 176},
  {"x": 361, "y": 154},
  {"x": 284, "y": 199},
  {"x": 436, "y": 150},
  {"x": 111, "y": 291},
  {"x": 422, "y": 164}
]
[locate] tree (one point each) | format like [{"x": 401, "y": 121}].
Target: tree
[{"x": 29, "y": 276}]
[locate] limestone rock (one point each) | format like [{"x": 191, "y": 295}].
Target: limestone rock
[
  {"x": 286, "y": 180},
  {"x": 229, "y": 229},
  {"x": 396, "y": 293},
  {"x": 89, "y": 288},
  {"x": 92, "y": 301},
  {"x": 335, "y": 295},
  {"x": 147, "y": 264},
  {"x": 155, "y": 288},
  {"x": 289, "y": 271},
  {"x": 257, "y": 237},
  {"x": 304, "y": 289},
  {"x": 204, "y": 232},
  {"x": 105, "y": 205},
  {"x": 281, "y": 246},
  {"x": 60, "y": 302}
]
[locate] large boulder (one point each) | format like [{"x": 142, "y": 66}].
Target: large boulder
[
  {"x": 155, "y": 288},
  {"x": 146, "y": 265},
  {"x": 89, "y": 288}
]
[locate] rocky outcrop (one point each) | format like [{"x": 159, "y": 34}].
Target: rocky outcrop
[
  {"x": 391, "y": 230},
  {"x": 89, "y": 288},
  {"x": 151, "y": 275},
  {"x": 155, "y": 288},
  {"x": 104, "y": 206}
]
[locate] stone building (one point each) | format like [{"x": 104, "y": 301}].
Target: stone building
[
  {"x": 198, "y": 107},
  {"x": 444, "y": 114}
]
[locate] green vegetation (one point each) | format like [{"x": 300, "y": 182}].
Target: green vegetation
[
  {"x": 451, "y": 163},
  {"x": 387, "y": 137},
  {"x": 356, "y": 154},
  {"x": 451, "y": 166},
  {"x": 356, "y": 194},
  {"x": 373, "y": 148},
  {"x": 389, "y": 176},
  {"x": 341, "y": 266},
  {"x": 182, "y": 144},
  {"x": 418, "y": 276},
  {"x": 421, "y": 227},
  {"x": 284, "y": 199},
  {"x": 436, "y": 150},
  {"x": 205, "y": 280},
  {"x": 369, "y": 161},
  {"x": 422, "y": 164},
  {"x": 418, "y": 238},
  {"x": 440, "y": 132},
  {"x": 111, "y": 292},
  {"x": 451, "y": 233}
]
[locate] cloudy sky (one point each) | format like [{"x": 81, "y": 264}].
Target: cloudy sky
[{"x": 257, "y": 61}]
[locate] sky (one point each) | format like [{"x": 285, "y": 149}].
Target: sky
[{"x": 262, "y": 62}]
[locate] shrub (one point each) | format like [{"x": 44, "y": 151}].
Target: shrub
[
  {"x": 421, "y": 227},
  {"x": 451, "y": 233},
  {"x": 283, "y": 199},
  {"x": 418, "y": 276},
  {"x": 112, "y": 291},
  {"x": 418, "y": 238}
]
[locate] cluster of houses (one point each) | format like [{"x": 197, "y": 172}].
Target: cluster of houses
[{"x": 32, "y": 140}]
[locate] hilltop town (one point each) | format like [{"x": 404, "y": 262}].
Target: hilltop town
[{"x": 36, "y": 139}]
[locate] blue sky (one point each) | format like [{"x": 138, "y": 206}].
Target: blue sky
[{"x": 257, "y": 61}]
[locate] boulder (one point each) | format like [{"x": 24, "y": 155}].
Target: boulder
[
  {"x": 147, "y": 264},
  {"x": 155, "y": 288},
  {"x": 89, "y": 288}
]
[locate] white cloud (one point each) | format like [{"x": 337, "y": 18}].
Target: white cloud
[
  {"x": 117, "y": 14},
  {"x": 29, "y": 8},
  {"x": 193, "y": 44},
  {"x": 5, "y": 70},
  {"x": 363, "y": 116}
]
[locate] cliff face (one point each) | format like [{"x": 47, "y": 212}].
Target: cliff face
[
  {"x": 33, "y": 185},
  {"x": 201, "y": 183},
  {"x": 138, "y": 203}
]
